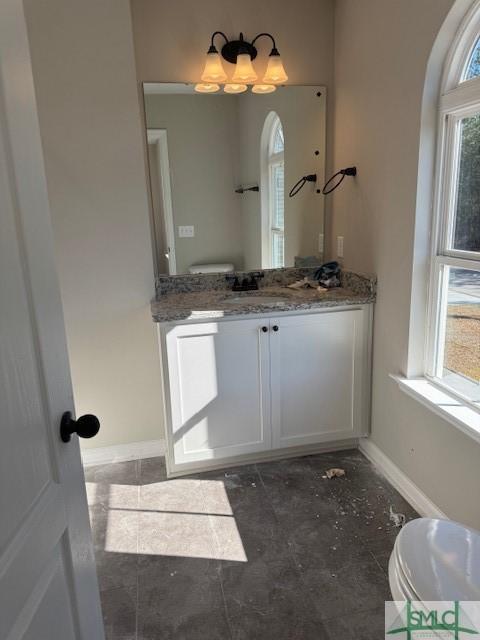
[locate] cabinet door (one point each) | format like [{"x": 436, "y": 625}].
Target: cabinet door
[
  {"x": 219, "y": 390},
  {"x": 319, "y": 372}
]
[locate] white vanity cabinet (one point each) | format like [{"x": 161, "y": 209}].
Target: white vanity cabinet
[
  {"x": 218, "y": 390},
  {"x": 241, "y": 389},
  {"x": 319, "y": 377}
]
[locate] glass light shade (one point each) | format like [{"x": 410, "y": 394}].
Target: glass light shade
[
  {"x": 275, "y": 73},
  {"x": 213, "y": 71},
  {"x": 207, "y": 87},
  {"x": 235, "y": 88},
  {"x": 263, "y": 88},
  {"x": 244, "y": 71}
]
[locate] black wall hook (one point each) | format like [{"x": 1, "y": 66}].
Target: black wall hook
[
  {"x": 312, "y": 177},
  {"x": 245, "y": 189},
  {"x": 348, "y": 171}
]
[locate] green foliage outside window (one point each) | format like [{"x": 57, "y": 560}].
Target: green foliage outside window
[{"x": 467, "y": 220}]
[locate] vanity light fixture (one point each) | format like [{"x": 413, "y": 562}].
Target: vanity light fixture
[
  {"x": 231, "y": 87},
  {"x": 214, "y": 71},
  {"x": 241, "y": 53},
  {"x": 263, "y": 88},
  {"x": 207, "y": 87},
  {"x": 275, "y": 73},
  {"x": 244, "y": 71}
]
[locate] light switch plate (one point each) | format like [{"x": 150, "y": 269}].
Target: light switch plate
[
  {"x": 320, "y": 243},
  {"x": 339, "y": 246},
  {"x": 186, "y": 231}
]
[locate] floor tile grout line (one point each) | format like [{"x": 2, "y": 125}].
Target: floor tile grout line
[
  {"x": 224, "y": 598},
  {"x": 291, "y": 554},
  {"x": 137, "y": 595},
  {"x": 137, "y": 600},
  {"x": 305, "y": 588},
  {"x": 216, "y": 544},
  {"x": 214, "y": 537},
  {"x": 352, "y": 612},
  {"x": 385, "y": 573}
]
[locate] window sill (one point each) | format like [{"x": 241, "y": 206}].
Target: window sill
[{"x": 443, "y": 404}]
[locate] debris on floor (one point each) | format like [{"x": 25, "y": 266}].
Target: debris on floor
[
  {"x": 232, "y": 480},
  {"x": 398, "y": 519},
  {"x": 334, "y": 473}
]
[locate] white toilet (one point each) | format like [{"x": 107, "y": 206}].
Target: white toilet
[
  {"x": 213, "y": 267},
  {"x": 435, "y": 560}
]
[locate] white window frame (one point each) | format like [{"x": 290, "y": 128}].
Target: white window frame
[
  {"x": 269, "y": 160},
  {"x": 458, "y": 99}
]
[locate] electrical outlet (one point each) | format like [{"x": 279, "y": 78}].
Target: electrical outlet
[
  {"x": 186, "y": 231},
  {"x": 339, "y": 246},
  {"x": 320, "y": 243}
]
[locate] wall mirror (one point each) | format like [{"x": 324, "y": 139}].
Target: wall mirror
[{"x": 221, "y": 167}]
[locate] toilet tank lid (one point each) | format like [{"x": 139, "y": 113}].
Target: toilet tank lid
[
  {"x": 212, "y": 267},
  {"x": 440, "y": 559}
]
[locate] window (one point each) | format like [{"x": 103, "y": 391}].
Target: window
[
  {"x": 454, "y": 331},
  {"x": 273, "y": 200},
  {"x": 473, "y": 68}
]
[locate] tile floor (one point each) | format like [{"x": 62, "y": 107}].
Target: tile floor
[{"x": 266, "y": 551}]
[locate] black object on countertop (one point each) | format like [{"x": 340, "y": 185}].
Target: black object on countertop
[
  {"x": 328, "y": 275},
  {"x": 247, "y": 284}
]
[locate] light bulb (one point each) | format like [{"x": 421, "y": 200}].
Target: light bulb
[
  {"x": 263, "y": 88},
  {"x": 235, "y": 88},
  {"x": 207, "y": 87},
  {"x": 244, "y": 71},
  {"x": 213, "y": 71},
  {"x": 275, "y": 73}
]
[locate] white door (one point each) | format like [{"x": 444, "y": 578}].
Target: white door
[
  {"x": 162, "y": 207},
  {"x": 318, "y": 377},
  {"x": 48, "y": 585},
  {"x": 219, "y": 391}
]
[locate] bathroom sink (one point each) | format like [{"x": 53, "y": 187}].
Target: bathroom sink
[{"x": 254, "y": 299}]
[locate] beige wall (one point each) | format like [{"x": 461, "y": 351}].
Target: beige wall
[
  {"x": 172, "y": 38},
  {"x": 90, "y": 123},
  {"x": 203, "y": 151},
  {"x": 302, "y": 114},
  {"x": 382, "y": 48}
]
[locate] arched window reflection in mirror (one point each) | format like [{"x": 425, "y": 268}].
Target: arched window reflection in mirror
[
  {"x": 273, "y": 196},
  {"x": 473, "y": 65}
]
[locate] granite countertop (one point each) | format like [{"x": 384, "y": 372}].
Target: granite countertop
[{"x": 211, "y": 304}]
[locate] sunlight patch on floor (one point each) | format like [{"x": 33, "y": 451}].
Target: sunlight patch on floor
[{"x": 183, "y": 517}]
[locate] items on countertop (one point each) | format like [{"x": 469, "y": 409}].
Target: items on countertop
[
  {"x": 324, "y": 278},
  {"x": 364, "y": 284},
  {"x": 306, "y": 283},
  {"x": 328, "y": 275},
  {"x": 195, "y": 296}
]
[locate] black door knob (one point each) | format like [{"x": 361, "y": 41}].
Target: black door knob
[
  {"x": 264, "y": 329},
  {"x": 275, "y": 327},
  {"x": 86, "y": 426}
]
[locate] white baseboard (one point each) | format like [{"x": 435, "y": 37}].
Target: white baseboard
[
  {"x": 408, "y": 489},
  {"x": 123, "y": 452},
  {"x": 152, "y": 448}
]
